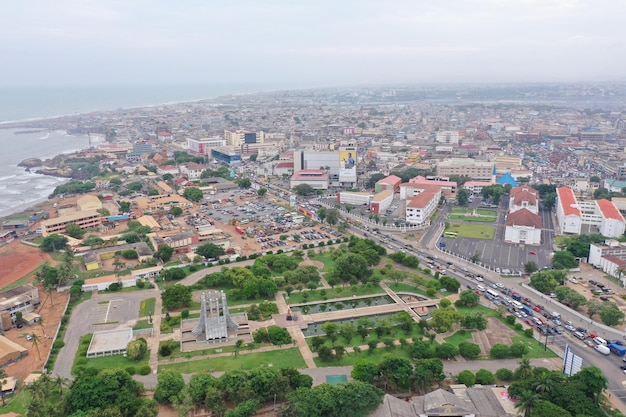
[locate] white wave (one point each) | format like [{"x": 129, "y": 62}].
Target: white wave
[
  {"x": 8, "y": 177},
  {"x": 46, "y": 136}
]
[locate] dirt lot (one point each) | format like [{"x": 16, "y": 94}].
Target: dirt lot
[
  {"x": 496, "y": 332},
  {"x": 51, "y": 315},
  {"x": 18, "y": 260}
]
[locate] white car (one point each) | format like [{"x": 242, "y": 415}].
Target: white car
[
  {"x": 499, "y": 285},
  {"x": 479, "y": 279}
]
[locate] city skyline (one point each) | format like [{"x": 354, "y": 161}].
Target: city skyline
[{"x": 318, "y": 44}]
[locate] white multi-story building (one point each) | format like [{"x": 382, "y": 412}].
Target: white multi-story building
[
  {"x": 568, "y": 215},
  {"x": 419, "y": 208},
  {"x": 203, "y": 146},
  {"x": 603, "y": 214}
]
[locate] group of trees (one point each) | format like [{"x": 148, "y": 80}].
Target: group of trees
[
  {"x": 495, "y": 192},
  {"x": 246, "y": 390},
  {"x": 273, "y": 334},
  {"x": 609, "y": 312},
  {"x": 330, "y": 215},
  {"x": 543, "y": 393},
  {"x": 398, "y": 373},
  {"x": 74, "y": 187},
  {"x": 176, "y": 296},
  {"x": 546, "y": 281},
  {"x": 244, "y": 283},
  {"x": 352, "y": 264}
]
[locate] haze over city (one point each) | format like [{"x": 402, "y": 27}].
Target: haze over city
[{"x": 311, "y": 44}]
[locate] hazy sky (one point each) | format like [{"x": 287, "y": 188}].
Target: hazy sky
[{"x": 310, "y": 43}]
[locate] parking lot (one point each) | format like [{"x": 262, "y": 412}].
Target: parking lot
[{"x": 262, "y": 223}]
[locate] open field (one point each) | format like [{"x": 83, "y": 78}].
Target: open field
[
  {"x": 475, "y": 231},
  {"x": 277, "y": 358}
]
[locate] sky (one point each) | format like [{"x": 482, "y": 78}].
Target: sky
[{"x": 310, "y": 43}]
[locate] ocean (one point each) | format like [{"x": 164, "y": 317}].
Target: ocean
[{"x": 20, "y": 189}]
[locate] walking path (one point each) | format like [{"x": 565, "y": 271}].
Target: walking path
[{"x": 153, "y": 345}]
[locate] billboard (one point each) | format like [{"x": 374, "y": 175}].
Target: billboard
[{"x": 347, "y": 165}]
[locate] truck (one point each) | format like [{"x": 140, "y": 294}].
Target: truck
[
  {"x": 516, "y": 296},
  {"x": 617, "y": 349},
  {"x": 527, "y": 310}
]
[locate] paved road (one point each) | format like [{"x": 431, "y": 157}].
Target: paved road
[{"x": 198, "y": 275}]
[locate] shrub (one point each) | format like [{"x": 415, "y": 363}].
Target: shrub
[
  {"x": 131, "y": 370},
  {"x": 504, "y": 374},
  {"x": 114, "y": 287},
  {"x": 485, "y": 377},
  {"x": 518, "y": 350},
  {"x": 140, "y": 284},
  {"x": 528, "y": 332},
  {"x": 466, "y": 377},
  {"x": 144, "y": 370},
  {"x": 81, "y": 361},
  {"x": 58, "y": 344},
  {"x": 469, "y": 350},
  {"x": 510, "y": 319},
  {"x": 184, "y": 314},
  {"x": 499, "y": 351}
]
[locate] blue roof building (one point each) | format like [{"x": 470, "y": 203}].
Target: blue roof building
[{"x": 507, "y": 179}]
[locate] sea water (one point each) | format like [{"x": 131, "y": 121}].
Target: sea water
[{"x": 20, "y": 189}]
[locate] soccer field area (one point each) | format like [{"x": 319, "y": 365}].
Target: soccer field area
[{"x": 475, "y": 231}]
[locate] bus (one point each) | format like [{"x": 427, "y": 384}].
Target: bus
[
  {"x": 491, "y": 294},
  {"x": 517, "y": 305},
  {"x": 450, "y": 234}
]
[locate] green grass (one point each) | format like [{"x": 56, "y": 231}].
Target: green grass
[
  {"x": 142, "y": 324},
  {"x": 396, "y": 334},
  {"x": 459, "y": 337},
  {"x": 349, "y": 359},
  {"x": 468, "y": 211},
  {"x": 116, "y": 361},
  {"x": 337, "y": 292},
  {"x": 278, "y": 358},
  {"x": 480, "y": 219},
  {"x": 147, "y": 306},
  {"x": 17, "y": 402},
  {"x": 535, "y": 348},
  {"x": 212, "y": 351},
  {"x": 326, "y": 259},
  {"x": 476, "y": 231}
]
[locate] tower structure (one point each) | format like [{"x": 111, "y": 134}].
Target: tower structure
[{"x": 215, "y": 321}]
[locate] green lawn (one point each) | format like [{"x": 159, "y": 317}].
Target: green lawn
[
  {"x": 278, "y": 358},
  {"x": 17, "y": 402},
  {"x": 330, "y": 294},
  {"x": 147, "y": 307},
  {"x": 477, "y": 231},
  {"x": 349, "y": 359},
  {"x": 468, "y": 211},
  {"x": 459, "y": 337},
  {"x": 535, "y": 348},
  {"x": 396, "y": 334},
  {"x": 212, "y": 351},
  {"x": 116, "y": 361},
  {"x": 466, "y": 218},
  {"x": 326, "y": 259},
  {"x": 142, "y": 324}
]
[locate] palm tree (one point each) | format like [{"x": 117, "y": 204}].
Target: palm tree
[
  {"x": 3, "y": 375},
  {"x": 35, "y": 339},
  {"x": 527, "y": 402},
  {"x": 60, "y": 383},
  {"x": 524, "y": 370},
  {"x": 544, "y": 384}
]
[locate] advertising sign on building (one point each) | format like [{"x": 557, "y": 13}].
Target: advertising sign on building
[{"x": 347, "y": 164}]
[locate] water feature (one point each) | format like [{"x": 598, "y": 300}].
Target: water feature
[{"x": 343, "y": 304}]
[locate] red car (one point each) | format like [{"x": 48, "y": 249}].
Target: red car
[
  {"x": 532, "y": 252},
  {"x": 530, "y": 323},
  {"x": 536, "y": 308}
]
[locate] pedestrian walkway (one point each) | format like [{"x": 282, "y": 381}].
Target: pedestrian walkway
[{"x": 156, "y": 333}]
